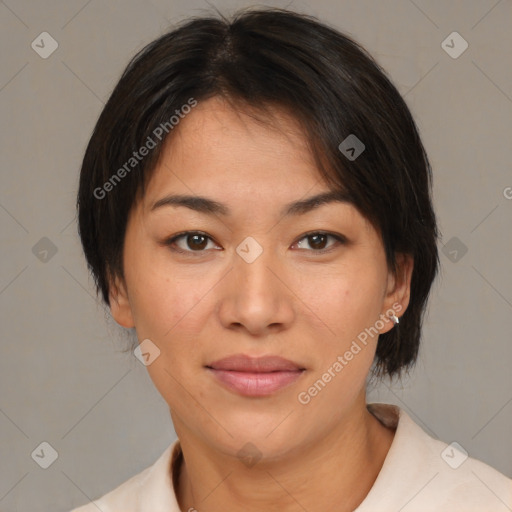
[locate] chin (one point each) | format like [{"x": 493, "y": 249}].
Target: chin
[{"x": 265, "y": 434}]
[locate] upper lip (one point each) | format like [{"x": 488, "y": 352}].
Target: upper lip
[{"x": 245, "y": 363}]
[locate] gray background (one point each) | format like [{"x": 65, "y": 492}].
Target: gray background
[{"x": 63, "y": 376}]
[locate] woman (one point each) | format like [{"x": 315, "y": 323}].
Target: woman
[{"x": 255, "y": 201}]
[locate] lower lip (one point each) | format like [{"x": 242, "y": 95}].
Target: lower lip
[{"x": 256, "y": 384}]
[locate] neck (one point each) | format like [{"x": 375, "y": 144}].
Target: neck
[{"x": 334, "y": 473}]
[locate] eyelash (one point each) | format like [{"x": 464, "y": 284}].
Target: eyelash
[{"x": 340, "y": 239}]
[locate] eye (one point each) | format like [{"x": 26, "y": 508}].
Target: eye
[
  {"x": 317, "y": 240},
  {"x": 189, "y": 242}
]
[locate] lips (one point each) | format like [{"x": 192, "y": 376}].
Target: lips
[
  {"x": 251, "y": 376},
  {"x": 266, "y": 364}
]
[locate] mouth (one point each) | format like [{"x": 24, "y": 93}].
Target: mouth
[{"x": 260, "y": 376}]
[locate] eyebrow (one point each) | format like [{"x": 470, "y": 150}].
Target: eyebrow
[{"x": 212, "y": 207}]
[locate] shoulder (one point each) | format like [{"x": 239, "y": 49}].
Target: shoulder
[
  {"x": 460, "y": 482},
  {"x": 421, "y": 473},
  {"x": 123, "y": 497},
  {"x": 149, "y": 490}
]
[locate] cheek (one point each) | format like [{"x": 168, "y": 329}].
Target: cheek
[
  {"x": 172, "y": 313},
  {"x": 163, "y": 297},
  {"x": 346, "y": 300},
  {"x": 164, "y": 306}
]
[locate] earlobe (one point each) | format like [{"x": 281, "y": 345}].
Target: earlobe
[{"x": 120, "y": 307}]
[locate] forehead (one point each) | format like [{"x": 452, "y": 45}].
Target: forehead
[{"x": 218, "y": 149}]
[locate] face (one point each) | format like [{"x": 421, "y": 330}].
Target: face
[{"x": 245, "y": 277}]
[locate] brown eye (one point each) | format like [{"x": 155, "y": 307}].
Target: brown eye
[
  {"x": 318, "y": 241},
  {"x": 189, "y": 242},
  {"x": 196, "y": 242}
]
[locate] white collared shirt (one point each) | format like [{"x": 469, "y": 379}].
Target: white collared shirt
[{"x": 419, "y": 474}]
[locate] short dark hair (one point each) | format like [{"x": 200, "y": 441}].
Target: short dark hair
[{"x": 263, "y": 59}]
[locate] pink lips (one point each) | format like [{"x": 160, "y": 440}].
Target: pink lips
[{"x": 255, "y": 376}]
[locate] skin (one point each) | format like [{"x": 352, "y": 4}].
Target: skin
[{"x": 209, "y": 303}]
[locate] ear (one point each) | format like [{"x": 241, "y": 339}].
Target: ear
[
  {"x": 120, "y": 304},
  {"x": 398, "y": 290}
]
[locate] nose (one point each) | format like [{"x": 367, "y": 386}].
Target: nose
[{"x": 256, "y": 296}]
